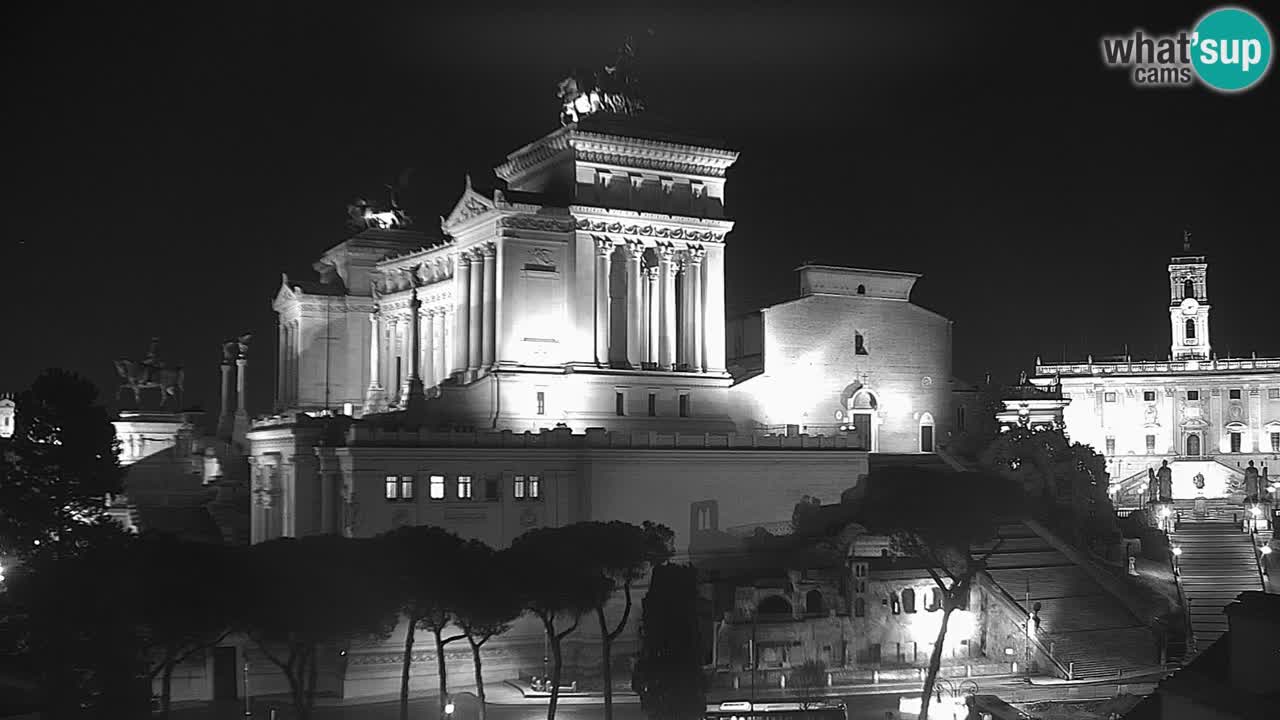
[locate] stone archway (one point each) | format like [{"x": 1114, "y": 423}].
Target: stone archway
[
  {"x": 862, "y": 414},
  {"x": 926, "y": 433},
  {"x": 1192, "y": 445}
]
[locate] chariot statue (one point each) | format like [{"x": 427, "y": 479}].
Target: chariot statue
[
  {"x": 613, "y": 89},
  {"x": 150, "y": 373},
  {"x": 363, "y": 215}
]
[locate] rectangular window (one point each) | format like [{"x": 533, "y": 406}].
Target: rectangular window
[
  {"x": 464, "y": 487},
  {"x": 1151, "y": 444},
  {"x": 1273, "y": 394},
  {"x": 1149, "y": 395},
  {"x": 1275, "y": 442},
  {"x": 1111, "y": 446},
  {"x": 406, "y": 487},
  {"x": 619, "y": 403},
  {"x": 542, "y": 403},
  {"x": 1193, "y": 394},
  {"x": 517, "y": 487},
  {"x": 436, "y": 487},
  {"x": 653, "y": 404},
  {"x": 393, "y": 487},
  {"x": 1233, "y": 394},
  {"x": 491, "y": 489},
  {"x": 1110, "y": 397},
  {"x": 1235, "y": 442},
  {"x": 684, "y": 404},
  {"x": 535, "y": 487}
]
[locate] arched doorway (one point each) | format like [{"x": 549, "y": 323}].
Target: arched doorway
[
  {"x": 774, "y": 605},
  {"x": 1193, "y": 445},
  {"x": 862, "y": 406},
  {"x": 926, "y": 433}
]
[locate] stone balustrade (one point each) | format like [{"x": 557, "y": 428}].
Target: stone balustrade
[{"x": 1148, "y": 367}]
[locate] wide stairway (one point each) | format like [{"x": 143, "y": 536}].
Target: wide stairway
[
  {"x": 1090, "y": 630},
  {"x": 1218, "y": 562},
  {"x": 1212, "y": 509}
]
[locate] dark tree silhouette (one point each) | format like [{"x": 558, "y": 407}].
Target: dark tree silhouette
[
  {"x": 310, "y": 595},
  {"x": 668, "y": 675},
  {"x": 59, "y": 466},
  {"x": 486, "y": 605},
  {"x": 424, "y": 563},
  {"x": 555, "y": 581},
  {"x": 938, "y": 519}
]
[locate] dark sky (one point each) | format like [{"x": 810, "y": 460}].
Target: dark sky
[{"x": 164, "y": 167}]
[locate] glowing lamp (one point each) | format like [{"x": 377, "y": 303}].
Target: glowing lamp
[
  {"x": 1257, "y": 511},
  {"x": 1265, "y": 549},
  {"x": 448, "y": 708},
  {"x": 1165, "y": 512},
  {"x": 1177, "y": 550}
]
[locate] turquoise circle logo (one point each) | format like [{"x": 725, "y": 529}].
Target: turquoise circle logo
[{"x": 1231, "y": 49}]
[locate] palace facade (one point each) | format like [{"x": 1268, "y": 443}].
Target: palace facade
[{"x": 1203, "y": 414}]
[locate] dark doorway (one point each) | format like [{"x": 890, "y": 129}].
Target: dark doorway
[
  {"x": 926, "y": 438},
  {"x": 1193, "y": 445},
  {"x": 224, "y": 673},
  {"x": 860, "y": 433}
]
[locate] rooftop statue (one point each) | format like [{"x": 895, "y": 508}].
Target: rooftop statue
[
  {"x": 150, "y": 373},
  {"x": 363, "y": 215},
  {"x": 613, "y": 89}
]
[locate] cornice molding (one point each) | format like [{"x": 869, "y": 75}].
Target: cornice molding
[
  {"x": 621, "y": 151},
  {"x": 540, "y": 223}
]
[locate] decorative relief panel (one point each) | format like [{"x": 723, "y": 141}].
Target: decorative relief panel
[{"x": 649, "y": 231}]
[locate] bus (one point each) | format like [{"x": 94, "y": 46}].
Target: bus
[{"x": 788, "y": 710}]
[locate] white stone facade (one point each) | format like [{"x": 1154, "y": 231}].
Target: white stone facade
[{"x": 1189, "y": 409}]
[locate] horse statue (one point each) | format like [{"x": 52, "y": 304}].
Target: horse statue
[{"x": 137, "y": 377}]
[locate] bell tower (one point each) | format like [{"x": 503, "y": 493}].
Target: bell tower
[{"x": 1188, "y": 304}]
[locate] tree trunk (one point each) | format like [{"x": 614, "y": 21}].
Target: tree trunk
[
  {"x": 440, "y": 668},
  {"x": 475, "y": 657},
  {"x": 166, "y": 684},
  {"x": 408, "y": 664},
  {"x": 556, "y": 660},
  {"x": 606, "y": 666},
  {"x": 935, "y": 658}
]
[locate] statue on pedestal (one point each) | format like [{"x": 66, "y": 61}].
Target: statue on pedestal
[
  {"x": 150, "y": 373},
  {"x": 1251, "y": 481},
  {"x": 1165, "y": 475},
  {"x": 1153, "y": 485}
]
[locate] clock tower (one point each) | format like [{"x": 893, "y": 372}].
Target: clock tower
[{"x": 1188, "y": 304}]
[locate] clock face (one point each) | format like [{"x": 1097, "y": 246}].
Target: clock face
[{"x": 1190, "y": 306}]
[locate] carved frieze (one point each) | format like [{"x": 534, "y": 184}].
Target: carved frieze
[
  {"x": 601, "y": 226},
  {"x": 534, "y": 222}
]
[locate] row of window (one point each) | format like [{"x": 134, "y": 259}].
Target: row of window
[
  {"x": 401, "y": 487},
  {"x": 1232, "y": 394},
  {"x": 904, "y": 602},
  {"x": 620, "y": 404},
  {"x": 1236, "y": 439}
]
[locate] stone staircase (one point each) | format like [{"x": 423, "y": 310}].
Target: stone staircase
[
  {"x": 1089, "y": 630},
  {"x": 1212, "y": 509},
  {"x": 1218, "y": 562}
]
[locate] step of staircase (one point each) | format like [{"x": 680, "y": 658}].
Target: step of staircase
[{"x": 1218, "y": 562}]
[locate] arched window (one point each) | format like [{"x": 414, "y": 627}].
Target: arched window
[
  {"x": 863, "y": 400},
  {"x": 895, "y": 605},
  {"x": 1188, "y": 289},
  {"x": 909, "y": 600},
  {"x": 774, "y": 605},
  {"x": 813, "y": 602},
  {"x": 859, "y": 348},
  {"x": 862, "y": 289},
  {"x": 1191, "y": 329},
  {"x": 935, "y": 600},
  {"x": 859, "y": 607}
]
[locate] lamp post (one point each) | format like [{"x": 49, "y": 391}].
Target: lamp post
[{"x": 248, "y": 712}]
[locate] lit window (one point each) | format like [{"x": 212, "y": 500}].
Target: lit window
[
  {"x": 619, "y": 403},
  {"x": 437, "y": 487},
  {"x": 1235, "y": 442},
  {"x": 1111, "y": 446},
  {"x": 1233, "y": 394},
  {"x": 1110, "y": 397},
  {"x": 406, "y": 487},
  {"x": 1275, "y": 442},
  {"x": 517, "y": 488},
  {"x": 653, "y": 404},
  {"x": 535, "y": 487},
  {"x": 542, "y": 403},
  {"x": 393, "y": 487},
  {"x": 1191, "y": 329},
  {"x": 464, "y": 487},
  {"x": 895, "y": 605},
  {"x": 1151, "y": 444},
  {"x": 1193, "y": 394},
  {"x": 1149, "y": 395},
  {"x": 684, "y": 405}
]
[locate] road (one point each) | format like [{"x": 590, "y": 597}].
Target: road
[{"x": 871, "y": 703}]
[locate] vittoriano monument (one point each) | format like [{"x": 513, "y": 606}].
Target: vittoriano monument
[
  {"x": 151, "y": 373},
  {"x": 613, "y": 89}
]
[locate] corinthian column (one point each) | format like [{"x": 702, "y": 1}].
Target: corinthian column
[
  {"x": 428, "y": 349},
  {"x": 476, "y": 315},
  {"x": 667, "y": 291},
  {"x": 653, "y": 313},
  {"x": 462, "y": 311},
  {"x": 684, "y": 338},
  {"x": 697, "y": 309},
  {"x": 373, "y": 398},
  {"x": 490, "y": 338},
  {"x": 635, "y": 311},
  {"x": 439, "y": 358},
  {"x": 411, "y": 396},
  {"x": 604, "y": 248},
  {"x": 713, "y": 313}
]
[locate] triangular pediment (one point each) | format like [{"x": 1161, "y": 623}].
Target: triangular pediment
[{"x": 471, "y": 205}]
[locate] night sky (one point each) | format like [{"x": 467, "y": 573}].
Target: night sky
[{"x": 164, "y": 167}]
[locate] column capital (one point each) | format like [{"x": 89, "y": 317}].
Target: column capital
[
  {"x": 604, "y": 245},
  {"x": 695, "y": 253},
  {"x": 462, "y": 258},
  {"x": 652, "y": 272},
  {"x": 635, "y": 248},
  {"x": 665, "y": 252},
  {"x": 377, "y": 311},
  {"x": 488, "y": 249}
]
